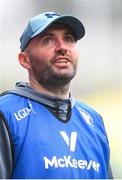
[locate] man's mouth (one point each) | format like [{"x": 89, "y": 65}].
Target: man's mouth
[
  {"x": 62, "y": 59},
  {"x": 62, "y": 62}
]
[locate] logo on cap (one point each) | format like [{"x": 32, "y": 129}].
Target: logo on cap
[{"x": 51, "y": 15}]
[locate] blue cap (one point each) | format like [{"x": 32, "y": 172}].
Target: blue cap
[{"x": 41, "y": 22}]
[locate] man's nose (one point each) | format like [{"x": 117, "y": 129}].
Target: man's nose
[{"x": 61, "y": 46}]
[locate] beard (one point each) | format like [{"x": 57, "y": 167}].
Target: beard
[{"x": 47, "y": 76}]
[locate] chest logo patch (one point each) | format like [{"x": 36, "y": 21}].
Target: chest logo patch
[{"x": 70, "y": 141}]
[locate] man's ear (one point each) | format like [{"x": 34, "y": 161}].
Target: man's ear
[{"x": 24, "y": 60}]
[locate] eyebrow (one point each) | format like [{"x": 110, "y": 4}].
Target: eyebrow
[{"x": 52, "y": 34}]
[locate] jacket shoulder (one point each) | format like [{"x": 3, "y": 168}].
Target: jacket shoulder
[{"x": 11, "y": 102}]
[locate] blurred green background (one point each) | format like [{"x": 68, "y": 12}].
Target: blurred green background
[{"x": 99, "y": 78}]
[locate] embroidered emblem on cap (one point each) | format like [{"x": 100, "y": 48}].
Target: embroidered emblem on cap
[{"x": 51, "y": 15}]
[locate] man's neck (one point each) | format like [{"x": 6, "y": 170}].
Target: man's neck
[{"x": 62, "y": 92}]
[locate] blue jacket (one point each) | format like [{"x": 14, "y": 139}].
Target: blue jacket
[{"x": 47, "y": 148}]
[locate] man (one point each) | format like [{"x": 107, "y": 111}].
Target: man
[{"x": 45, "y": 133}]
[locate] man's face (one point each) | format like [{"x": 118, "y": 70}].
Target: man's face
[{"x": 53, "y": 56}]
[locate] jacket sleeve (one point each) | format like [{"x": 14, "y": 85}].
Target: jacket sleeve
[{"x": 6, "y": 150}]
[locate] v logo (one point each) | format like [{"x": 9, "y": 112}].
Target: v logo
[{"x": 71, "y": 142}]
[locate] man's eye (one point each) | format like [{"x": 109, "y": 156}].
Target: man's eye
[
  {"x": 69, "y": 38},
  {"x": 47, "y": 40}
]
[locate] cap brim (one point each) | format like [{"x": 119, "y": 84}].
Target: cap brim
[{"x": 75, "y": 24}]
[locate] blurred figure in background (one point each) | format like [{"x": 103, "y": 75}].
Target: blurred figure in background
[{"x": 45, "y": 132}]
